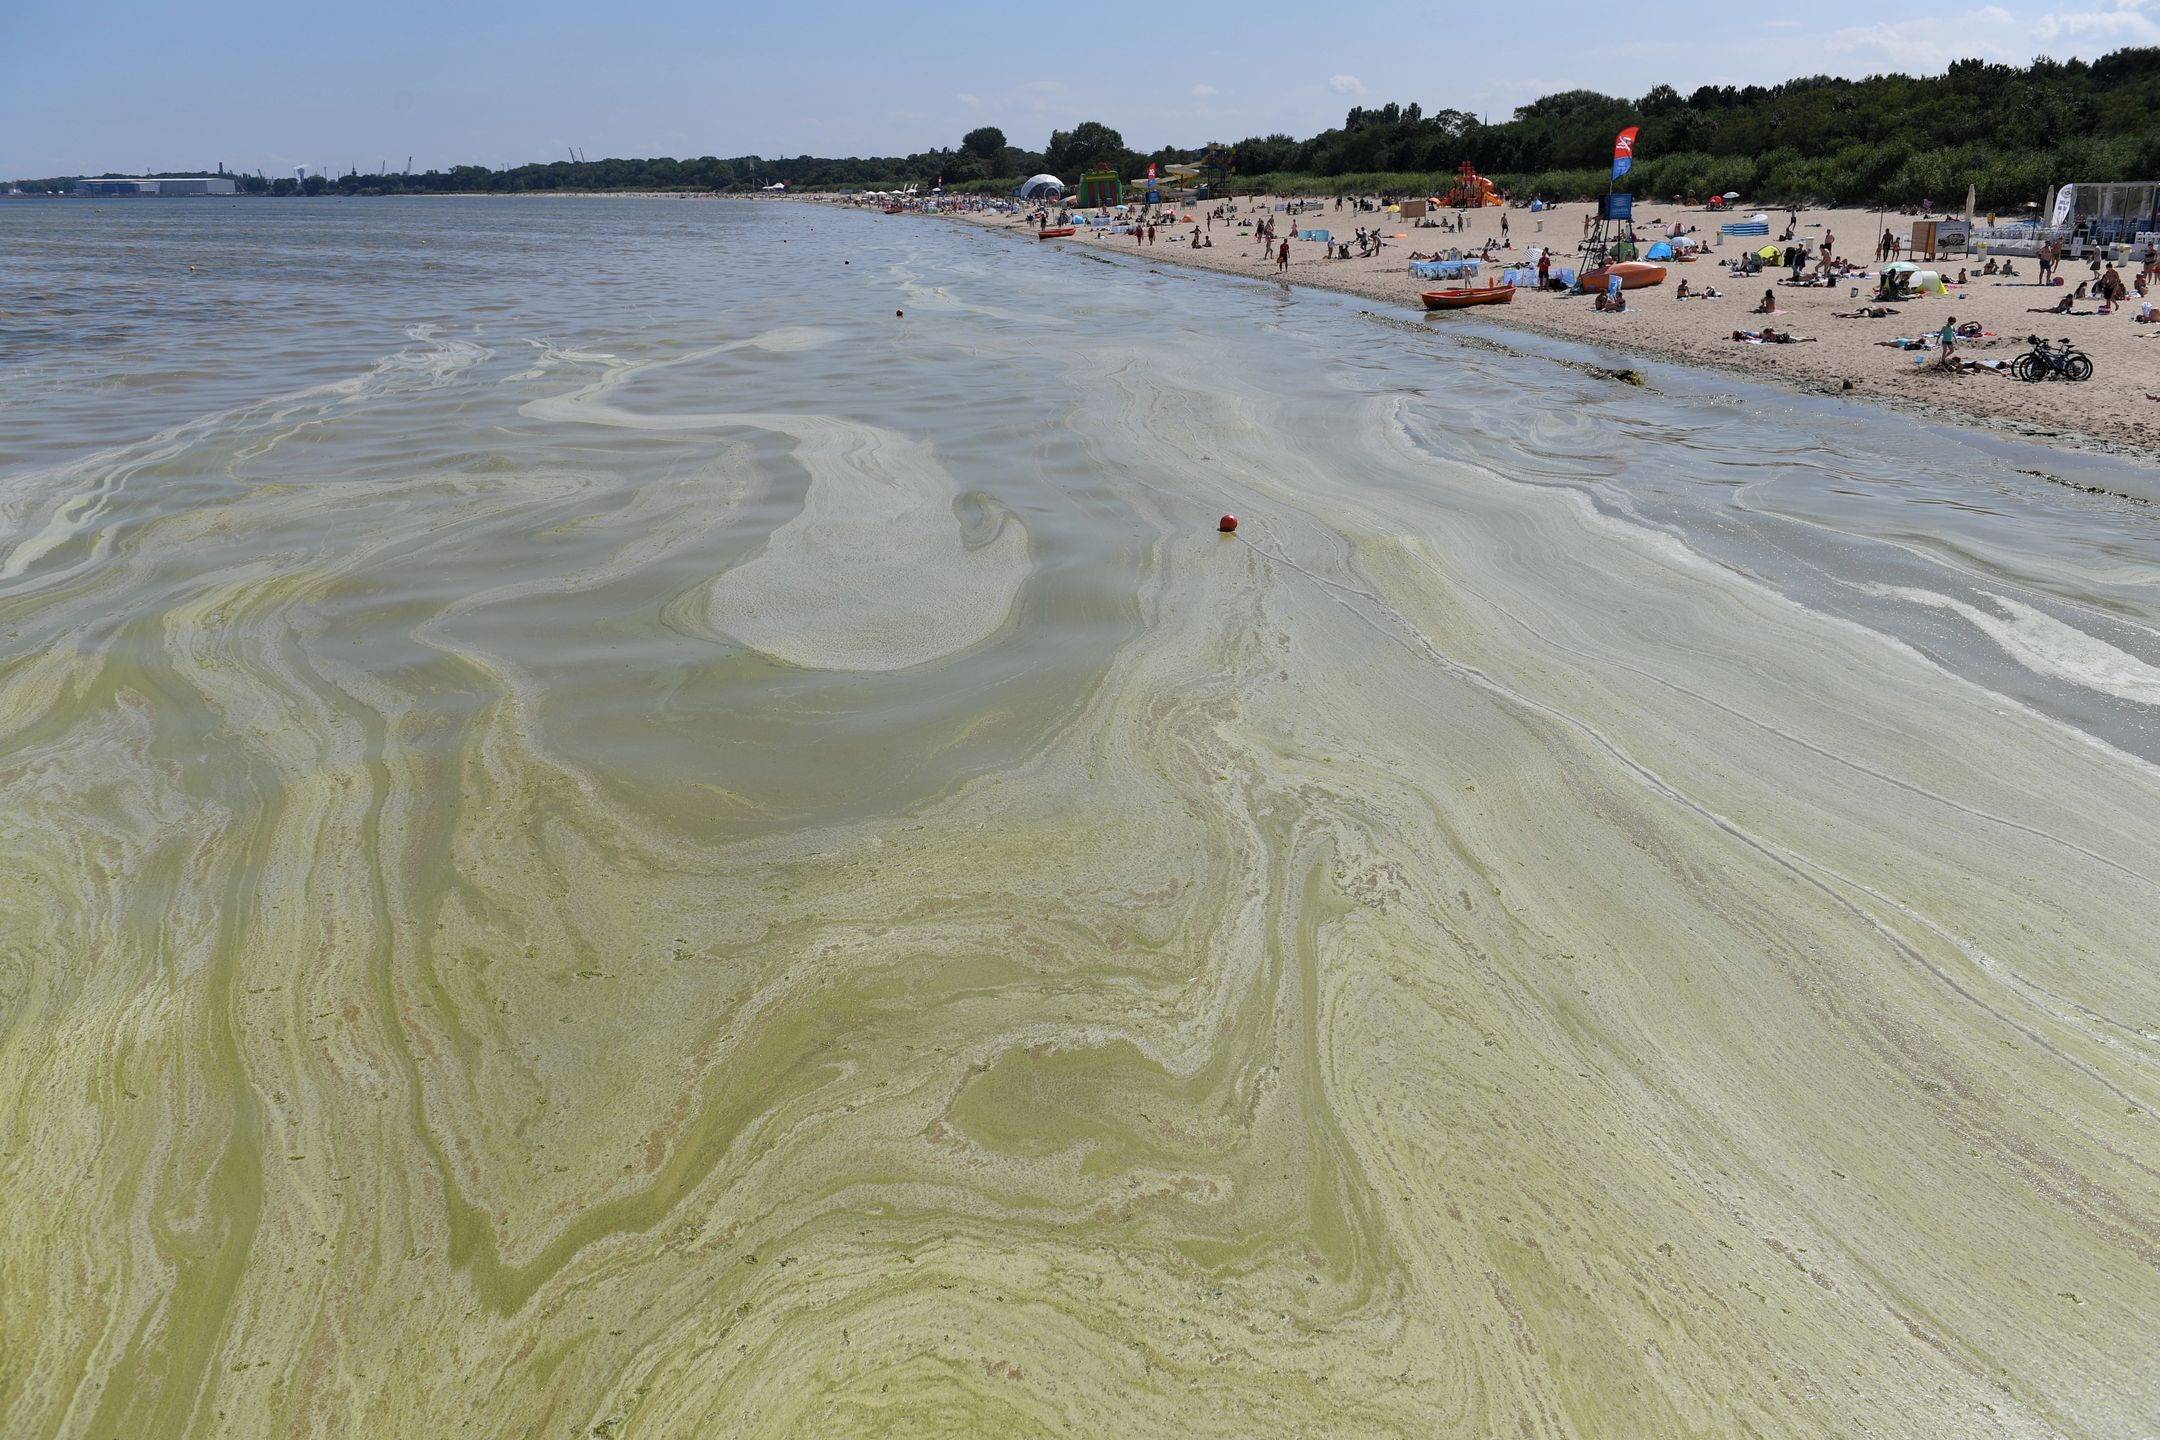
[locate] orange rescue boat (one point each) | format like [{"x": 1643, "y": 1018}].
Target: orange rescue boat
[
  {"x": 1634, "y": 275},
  {"x": 1463, "y": 299}
]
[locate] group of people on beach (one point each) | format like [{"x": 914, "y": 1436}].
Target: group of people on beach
[{"x": 2114, "y": 284}]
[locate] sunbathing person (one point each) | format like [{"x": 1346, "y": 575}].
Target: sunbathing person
[
  {"x": 1768, "y": 305},
  {"x": 1865, "y": 312},
  {"x": 1683, "y": 292},
  {"x": 2060, "y": 307}
]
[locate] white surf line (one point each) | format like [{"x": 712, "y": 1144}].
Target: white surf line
[{"x": 2046, "y": 646}]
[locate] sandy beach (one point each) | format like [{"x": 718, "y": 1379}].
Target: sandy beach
[{"x": 2115, "y": 411}]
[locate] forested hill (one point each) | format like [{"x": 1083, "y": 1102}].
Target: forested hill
[{"x": 2009, "y": 130}]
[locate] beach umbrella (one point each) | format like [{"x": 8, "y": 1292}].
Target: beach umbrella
[
  {"x": 1732, "y": 194},
  {"x": 1898, "y": 267}
]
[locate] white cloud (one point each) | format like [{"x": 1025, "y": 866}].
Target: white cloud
[
  {"x": 1931, "y": 42},
  {"x": 1203, "y": 91},
  {"x": 2126, "y": 22},
  {"x": 971, "y": 101},
  {"x": 1346, "y": 84}
]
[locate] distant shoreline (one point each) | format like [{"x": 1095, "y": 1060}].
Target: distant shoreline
[{"x": 411, "y": 195}]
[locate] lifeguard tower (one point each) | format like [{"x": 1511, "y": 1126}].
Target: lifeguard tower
[{"x": 1612, "y": 237}]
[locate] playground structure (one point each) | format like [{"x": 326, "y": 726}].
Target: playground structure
[
  {"x": 1218, "y": 163},
  {"x": 1472, "y": 191},
  {"x": 1099, "y": 189}
]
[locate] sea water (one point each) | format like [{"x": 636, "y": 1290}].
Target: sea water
[{"x": 670, "y": 818}]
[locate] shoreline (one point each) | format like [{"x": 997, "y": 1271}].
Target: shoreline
[{"x": 1881, "y": 377}]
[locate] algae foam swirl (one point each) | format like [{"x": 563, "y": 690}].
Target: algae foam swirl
[{"x": 1454, "y": 963}]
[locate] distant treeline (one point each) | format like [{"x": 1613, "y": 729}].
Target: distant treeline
[{"x": 2011, "y": 131}]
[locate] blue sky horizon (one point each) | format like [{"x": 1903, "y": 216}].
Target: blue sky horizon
[{"x": 131, "y": 85}]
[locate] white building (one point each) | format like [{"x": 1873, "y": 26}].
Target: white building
[{"x": 158, "y": 185}]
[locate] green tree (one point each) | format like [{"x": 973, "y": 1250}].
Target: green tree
[
  {"x": 987, "y": 146},
  {"x": 1090, "y": 145}
]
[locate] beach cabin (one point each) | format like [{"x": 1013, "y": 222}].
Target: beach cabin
[{"x": 2117, "y": 213}]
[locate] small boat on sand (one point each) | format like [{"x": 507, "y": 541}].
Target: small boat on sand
[
  {"x": 1055, "y": 232},
  {"x": 1463, "y": 299},
  {"x": 1634, "y": 275}
]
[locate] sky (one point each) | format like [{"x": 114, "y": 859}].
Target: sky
[{"x": 132, "y": 85}]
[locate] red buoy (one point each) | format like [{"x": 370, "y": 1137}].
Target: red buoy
[{"x": 1227, "y": 524}]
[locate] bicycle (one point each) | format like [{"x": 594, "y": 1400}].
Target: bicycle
[{"x": 2042, "y": 363}]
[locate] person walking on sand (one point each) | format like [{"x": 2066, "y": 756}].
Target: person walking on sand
[
  {"x": 1544, "y": 270},
  {"x": 1282, "y": 258},
  {"x": 1948, "y": 337},
  {"x": 1503, "y": 230}
]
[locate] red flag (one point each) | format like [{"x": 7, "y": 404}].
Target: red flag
[
  {"x": 1623, "y": 151},
  {"x": 1151, "y": 170}
]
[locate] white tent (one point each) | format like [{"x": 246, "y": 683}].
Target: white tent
[{"x": 1040, "y": 187}]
